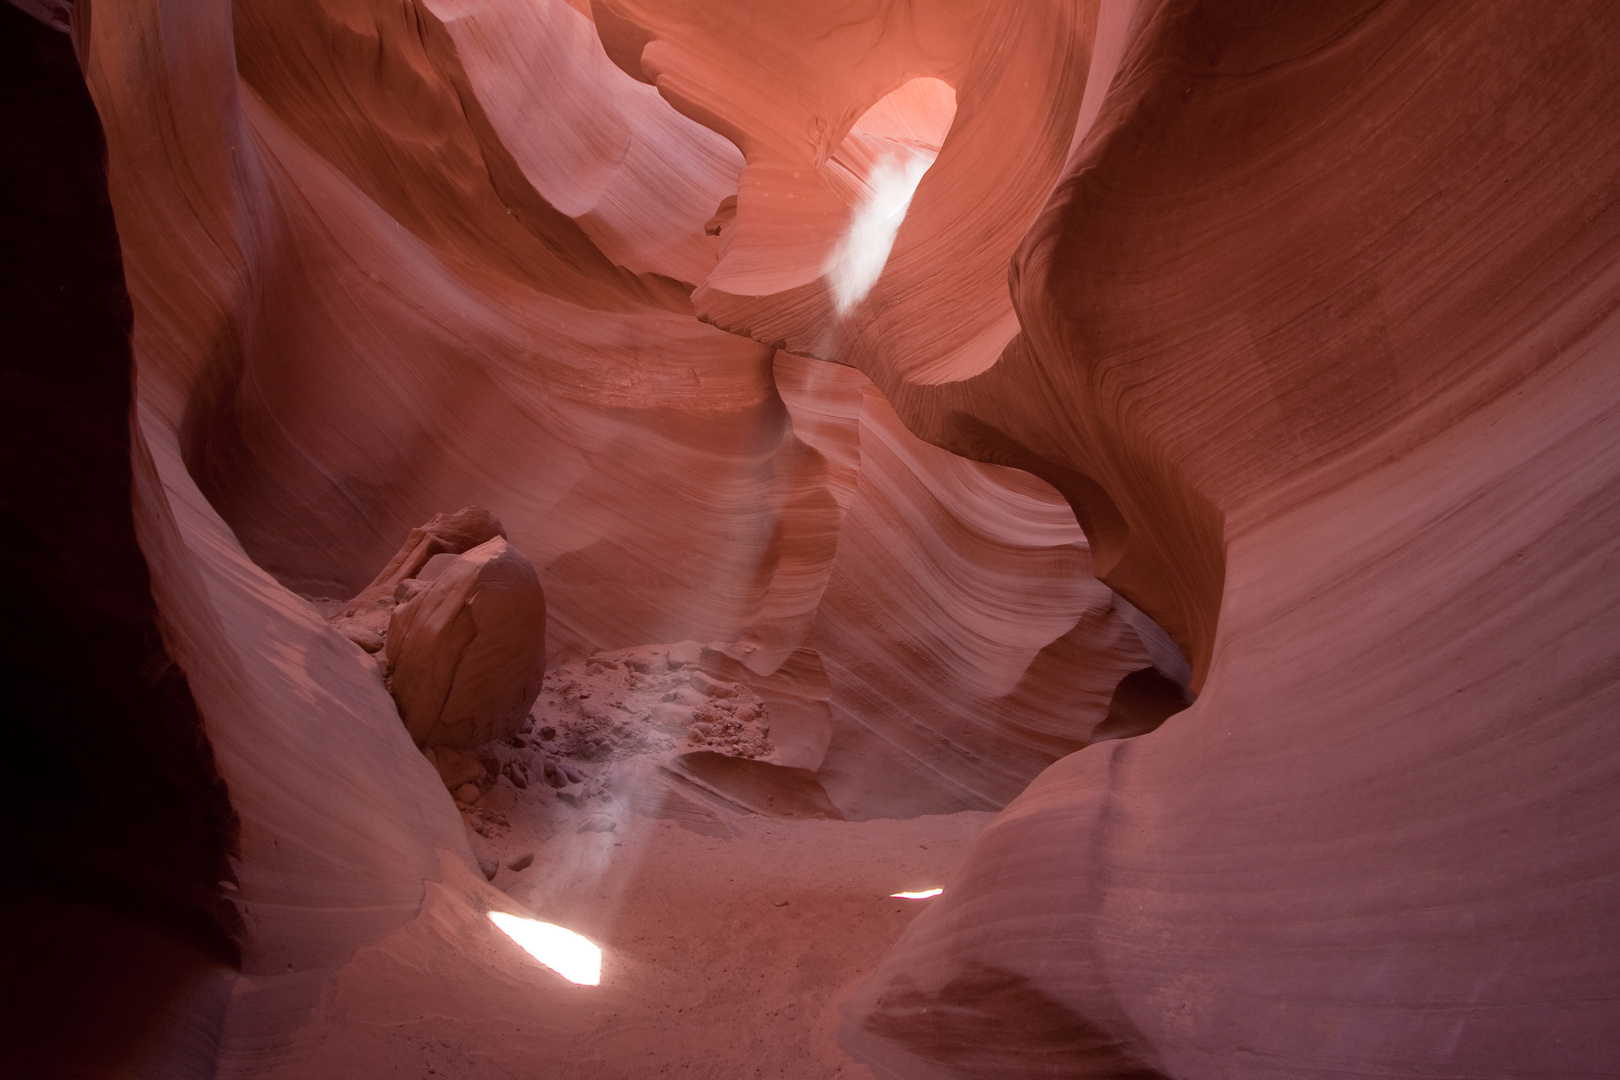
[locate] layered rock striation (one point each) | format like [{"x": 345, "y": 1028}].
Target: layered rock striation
[
  {"x": 363, "y": 291},
  {"x": 467, "y": 652},
  {"x": 1325, "y": 309},
  {"x": 1310, "y": 327}
]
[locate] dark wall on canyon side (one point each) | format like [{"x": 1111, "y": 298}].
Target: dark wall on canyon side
[{"x": 117, "y": 826}]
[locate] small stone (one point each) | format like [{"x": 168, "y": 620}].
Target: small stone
[
  {"x": 684, "y": 653},
  {"x": 704, "y": 684},
  {"x": 467, "y": 793},
  {"x": 648, "y": 661},
  {"x": 548, "y": 733},
  {"x": 597, "y": 823},
  {"x": 362, "y": 635},
  {"x": 522, "y": 862}
]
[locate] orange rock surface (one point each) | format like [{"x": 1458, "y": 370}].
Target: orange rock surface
[
  {"x": 467, "y": 653},
  {"x": 355, "y": 306},
  {"x": 1328, "y": 300},
  {"x": 904, "y": 377}
]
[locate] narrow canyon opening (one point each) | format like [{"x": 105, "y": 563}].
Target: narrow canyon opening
[{"x": 548, "y": 539}]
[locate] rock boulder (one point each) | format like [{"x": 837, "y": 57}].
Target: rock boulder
[{"x": 467, "y": 653}]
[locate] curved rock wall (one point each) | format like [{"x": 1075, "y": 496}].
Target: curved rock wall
[
  {"x": 1311, "y": 324},
  {"x": 339, "y": 815},
  {"x": 975, "y": 574},
  {"x": 115, "y": 828},
  {"x": 787, "y": 83},
  {"x": 1329, "y": 300},
  {"x": 361, "y": 299}
]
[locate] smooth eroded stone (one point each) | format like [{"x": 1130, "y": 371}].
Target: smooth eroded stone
[
  {"x": 703, "y": 684},
  {"x": 443, "y": 534},
  {"x": 684, "y": 653},
  {"x": 361, "y": 634},
  {"x": 468, "y": 653},
  {"x": 648, "y": 661}
]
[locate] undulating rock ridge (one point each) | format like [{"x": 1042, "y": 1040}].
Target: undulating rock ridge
[
  {"x": 356, "y": 305},
  {"x": 340, "y": 817},
  {"x": 1323, "y": 323},
  {"x": 1311, "y": 326},
  {"x": 636, "y": 176},
  {"x": 1029, "y": 80},
  {"x": 975, "y": 574},
  {"x": 791, "y": 85}
]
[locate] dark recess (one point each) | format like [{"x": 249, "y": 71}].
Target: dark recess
[
  {"x": 116, "y": 825},
  {"x": 1142, "y": 701}
]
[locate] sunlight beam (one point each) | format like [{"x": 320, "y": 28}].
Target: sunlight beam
[
  {"x": 857, "y": 261},
  {"x": 563, "y": 951}
]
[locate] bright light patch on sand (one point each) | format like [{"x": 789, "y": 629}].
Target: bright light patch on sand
[
  {"x": 923, "y": 895},
  {"x": 858, "y": 259},
  {"x": 563, "y": 951}
]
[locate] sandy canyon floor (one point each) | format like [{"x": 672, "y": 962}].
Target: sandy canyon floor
[
  {"x": 728, "y": 939},
  {"x": 722, "y": 957}
]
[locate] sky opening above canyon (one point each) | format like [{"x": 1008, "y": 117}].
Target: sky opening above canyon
[{"x": 914, "y": 119}]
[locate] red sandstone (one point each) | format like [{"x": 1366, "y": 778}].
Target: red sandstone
[{"x": 903, "y": 412}]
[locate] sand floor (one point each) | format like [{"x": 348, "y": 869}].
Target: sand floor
[{"x": 726, "y": 951}]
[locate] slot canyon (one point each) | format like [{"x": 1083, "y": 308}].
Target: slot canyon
[{"x": 809, "y": 539}]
